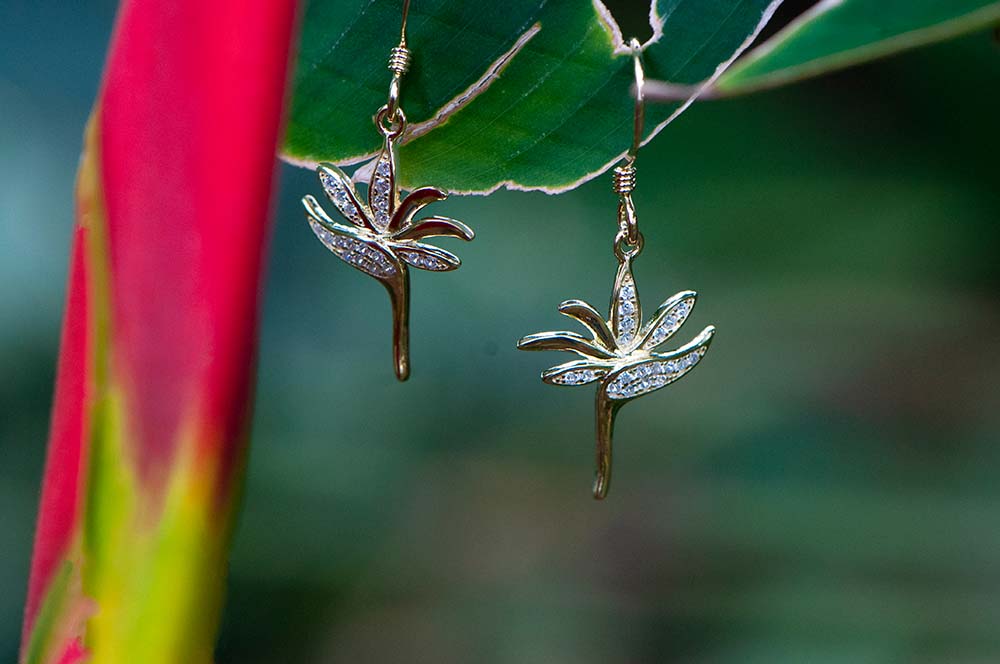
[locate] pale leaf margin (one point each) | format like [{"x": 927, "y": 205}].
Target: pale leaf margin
[
  {"x": 656, "y": 23},
  {"x": 457, "y": 103},
  {"x": 735, "y": 83},
  {"x": 492, "y": 73}
]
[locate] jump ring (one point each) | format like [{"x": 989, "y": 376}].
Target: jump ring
[
  {"x": 397, "y": 123},
  {"x": 624, "y": 249}
]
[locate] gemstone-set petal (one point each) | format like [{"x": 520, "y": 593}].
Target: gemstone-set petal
[
  {"x": 362, "y": 255},
  {"x": 628, "y": 310},
  {"x": 576, "y": 377},
  {"x": 670, "y": 323},
  {"x": 381, "y": 192},
  {"x": 650, "y": 376},
  {"x": 424, "y": 260},
  {"x": 344, "y": 199}
]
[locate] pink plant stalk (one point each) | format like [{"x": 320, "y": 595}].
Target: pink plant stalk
[{"x": 154, "y": 386}]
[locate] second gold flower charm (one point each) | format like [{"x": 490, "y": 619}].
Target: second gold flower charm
[{"x": 621, "y": 354}]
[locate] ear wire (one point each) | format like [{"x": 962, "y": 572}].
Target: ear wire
[
  {"x": 628, "y": 241},
  {"x": 399, "y": 64},
  {"x": 640, "y": 99}
]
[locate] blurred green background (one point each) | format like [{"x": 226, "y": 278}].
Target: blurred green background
[{"x": 823, "y": 489}]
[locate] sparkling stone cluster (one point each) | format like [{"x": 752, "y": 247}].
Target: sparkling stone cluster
[
  {"x": 381, "y": 191},
  {"x": 423, "y": 260},
  {"x": 674, "y": 318},
  {"x": 651, "y": 376},
  {"x": 578, "y": 377},
  {"x": 341, "y": 198},
  {"x": 628, "y": 311},
  {"x": 359, "y": 254}
]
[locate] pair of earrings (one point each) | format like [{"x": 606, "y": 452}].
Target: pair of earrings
[{"x": 384, "y": 240}]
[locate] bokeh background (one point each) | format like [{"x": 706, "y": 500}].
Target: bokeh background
[{"x": 824, "y": 488}]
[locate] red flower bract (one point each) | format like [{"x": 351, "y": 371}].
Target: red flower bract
[
  {"x": 189, "y": 123},
  {"x": 155, "y": 374},
  {"x": 57, "y": 514}
]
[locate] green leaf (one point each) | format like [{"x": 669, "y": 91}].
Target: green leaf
[
  {"x": 839, "y": 33},
  {"x": 527, "y": 94}
]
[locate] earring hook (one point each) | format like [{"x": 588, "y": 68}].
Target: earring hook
[
  {"x": 640, "y": 99},
  {"x": 628, "y": 241},
  {"x": 402, "y": 29},
  {"x": 399, "y": 63}
]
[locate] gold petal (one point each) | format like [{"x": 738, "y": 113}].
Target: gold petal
[
  {"x": 341, "y": 192},
  {"x": 568, "y": 341},
  {"x": 436, "y": 227},
  {"x": 382, "y": 194},
  {"x": 625, "y": 310}
]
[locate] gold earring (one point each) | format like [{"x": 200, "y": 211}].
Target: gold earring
[
  {"x": 620, "y": 355},
  {"x": 383, "y": 239}
]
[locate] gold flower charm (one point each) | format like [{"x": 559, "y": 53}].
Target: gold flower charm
[
  {"x": 383, "y": 238},
  {"x": 620, "y": 355}
]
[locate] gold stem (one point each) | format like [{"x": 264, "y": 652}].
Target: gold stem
[
  {"x": 399, "y": 297},
  {"x": 606, "y": 409}
]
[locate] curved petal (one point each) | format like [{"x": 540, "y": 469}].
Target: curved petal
[
  {"x": 366, "y": 255},
  {"x": 382, "y": 193},
  {"x": 568, "y": 341},
  {"x": 577, "y": 372},
  {"x": 626, "y": 313},
  {"x": 436, "y": 227},
  {"x": 340, "y": 190},
  {"x": 414, "y": 202},
  {"x": 426, "y": 257},
  {"x": 661, "y": 370},
  {"x": 668, "y": 319},
  {"x": 591, "y": 319},
  {"x": 317, "y": 214}
]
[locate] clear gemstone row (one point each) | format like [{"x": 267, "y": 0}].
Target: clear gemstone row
[
  {"x": 381, "y": 191},
  {"x": 671, "y": 322},
  {"x": 628, "y": 305},
  {"x": 424, "y": 261},
  {"x": 359, "y": 254},
  {"x": 579, "y": 377},
  {"x": 651, "y": 376},
  {"x": 341, "y": 198}
]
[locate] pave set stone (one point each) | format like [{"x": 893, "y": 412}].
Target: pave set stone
[
  {"x": 360, "y": 254},
  {"x": 671, "y": 322},
  {"x": 424, "y": 260},
  {"x": 577, "y": 377},
  {"x": 628, "y": 311},
  {"x": 381, "y": 192},
  {"x": 651, "y": 376},
  {"x": 341, "y": 198}
]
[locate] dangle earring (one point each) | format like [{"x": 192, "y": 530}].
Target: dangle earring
[
  {"x": 621, "y": 355},
  {"x": 383, "y": 238}
]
